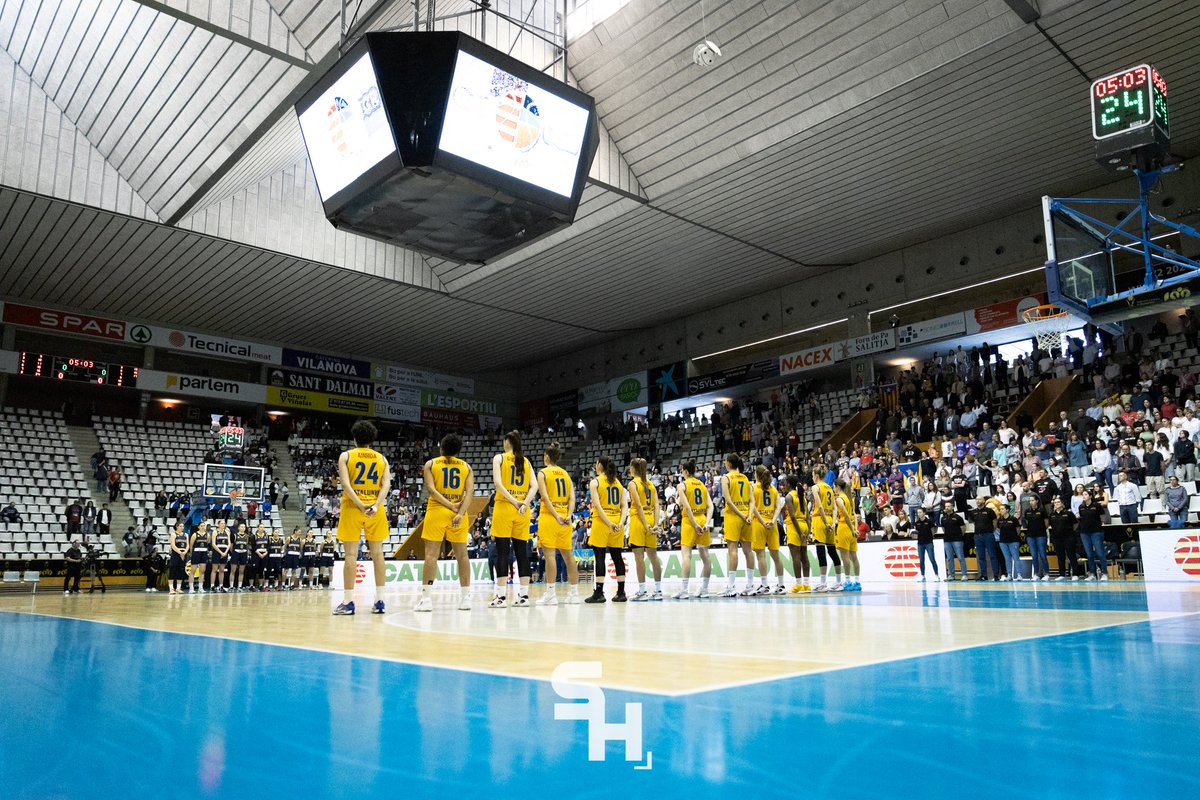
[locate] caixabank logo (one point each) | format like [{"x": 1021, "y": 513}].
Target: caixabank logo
[
  {"x": 901, "y": 561},
  {"x": 1187, "y": 554}
]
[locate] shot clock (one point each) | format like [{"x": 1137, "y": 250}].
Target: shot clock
[{"x": 1129, "y": 116}]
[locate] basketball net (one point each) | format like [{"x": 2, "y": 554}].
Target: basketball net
[
  {"x": 235, "y": 495},
  {"x": 1049, "y": 323}
]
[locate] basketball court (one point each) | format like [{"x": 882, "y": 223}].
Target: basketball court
[{"x": 857, "y": 695}]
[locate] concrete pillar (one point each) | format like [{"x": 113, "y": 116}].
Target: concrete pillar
[{"x": 8, "y": 341}]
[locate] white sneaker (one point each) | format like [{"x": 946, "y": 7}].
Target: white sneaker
[
  {"x": 1044, "y": 578},
  {"x": 465, "y": 603},
  {"x": 1103, "y": 577},
  {"x": 677, "y": 596},
  {"x": 521, "y": 601},
  {"x": 147, "y": 591},
  {"x": 1018, "y": 578},
  {"x": 640, "y": 596},
  {"x": 656, "y": 597},
  {"x": 729, "y": 592},
  {"x": 841, "y": 587},
  {"x": 820, "y": 587},
  {"x": 1059, "y": 578},
  {"x": 703, "y": 594},
  {"x": 1077, "y": 578},
  {"x": 548, "y": 598},
  {"x": 1088, "y": 578},
  {"x": 573, "y": 598},
  {"x": 424, "y": 604},
  {"x": 778, "y": 589},
  {"x": 499, "y": 601}
]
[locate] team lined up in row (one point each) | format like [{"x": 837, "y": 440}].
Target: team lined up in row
[
  {"x": 620, "y": 511},
  {"x": 275, "y": 562}
]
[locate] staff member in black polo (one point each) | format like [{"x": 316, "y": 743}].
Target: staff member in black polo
[
  {"x": 74, "y": 558},
  {"x": 984, "y": 519},
  {"x": 952, "y": 542},
  {"x": 1064, "y": 536},
  {"x": 1091, "y": 531}
]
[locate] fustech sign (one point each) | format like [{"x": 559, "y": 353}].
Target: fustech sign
[{"x": 807, "y": 359}]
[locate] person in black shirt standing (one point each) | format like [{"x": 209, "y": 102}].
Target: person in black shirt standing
[
  {"x": 1091, "y": 531},
  {"x": 74, "y": 558},
  {"x": 984, "y": 519},
  {"x": 1009, "y": 534},
  {"x": 1063, "y": 536},
  {"x": 1034, "y": 524},
  {"x": 952, "y": 538},
  {"x": 923, "y": 532}
]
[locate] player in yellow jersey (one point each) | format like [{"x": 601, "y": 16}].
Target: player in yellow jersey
[
  {"x": 515, "y": 489},
  {"x": 736, "y": 527},
  {"x": 554, "y": 526},
  {"x": 824, "y": 530},
  {"x": 610, "y": 508},
  {"x": 450, "y": 484},
  {"x": 645, "y": 524},
  {"x": 764, "y": 530},
  {"x": 696, "y": 527},
  {"x": 795, "y": 510},
  {"x": 366, "y": 478},
  {"x": 847, "y": 535}
]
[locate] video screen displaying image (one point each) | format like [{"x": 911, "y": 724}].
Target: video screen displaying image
[
  {"x": 346, "y": 130},
  {"x": 502, "y": 122}
]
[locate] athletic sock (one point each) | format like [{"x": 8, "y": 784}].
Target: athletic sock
[
  {"x": 378, "y": 594},
  {"x": 704, "y": 586},
  {"x": 658, "y": 587},
  {"x": 348, "y": 596}
]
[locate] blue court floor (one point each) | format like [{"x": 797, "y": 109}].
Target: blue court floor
[{"x": 94, "y": 709}]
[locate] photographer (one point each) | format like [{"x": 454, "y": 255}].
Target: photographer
[
  {"x": 153, "y": 565},
  {"x": 74, "y": 558}
]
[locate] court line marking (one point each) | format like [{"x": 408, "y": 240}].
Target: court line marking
[
  {"x": 942, "y": 651},
  {"x": 616, "y": 684},
  {"x": 315, "y": 649}
]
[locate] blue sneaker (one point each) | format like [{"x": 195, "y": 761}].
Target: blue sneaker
[
  {"x": 344, "y": 610},
  {"x": 377, "y": 608},
  {"x": 857, "y": 586}
]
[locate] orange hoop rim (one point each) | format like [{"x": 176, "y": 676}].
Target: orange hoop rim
[{"x": 1044, "y": 313}]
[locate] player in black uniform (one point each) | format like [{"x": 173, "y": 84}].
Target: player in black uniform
[
  {"x": 179, "y": 556},
  {"x": 328, "y": 555},
  {"x": 291, "y": 560},
  {"x": 258, "y": 559},
  {"x": 308, "y": 561},
  {"x": 221, "y": 546},
  {"x": 240, "y": 556},
  {"x": 201, "y": 553},
  {"x": 275, "y": 548}
]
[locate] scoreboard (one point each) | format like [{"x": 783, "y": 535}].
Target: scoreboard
[
  {"x": 1130, "y": 118},
  {"x": 74, "y": 368}
]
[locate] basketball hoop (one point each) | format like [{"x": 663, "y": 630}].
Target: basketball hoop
[
  {"x": 234, "y": 496},
  {"x": 1049, "y": 323}
]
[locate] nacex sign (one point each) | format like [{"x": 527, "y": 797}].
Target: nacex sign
[
  {"x": 64, "y": 321},
  {"x": 806, "y": 359}
]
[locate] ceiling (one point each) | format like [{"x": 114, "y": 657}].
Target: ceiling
[{"x": 152, "y": 167}]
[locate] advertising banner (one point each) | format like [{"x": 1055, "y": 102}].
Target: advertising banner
[
  {"x": 422, "y": 379},
  {"x": 330, "y": 365},
  {"x": 802, "y": 360},
  {"x": 202, "y": 344},
  {"x": 535, "y": 413},
  {"x": 1001, "y": 315},
  {"x": 453, "y": 419},
  {"x": 563, "y": 405},
  {"x": 734, "y": 376},
  {"x": 410, "y": 574},
  {"x": 325, "y": 384},
  {"x": 629, "y": 391},
  {"x": 594, "y": 397},
  {"x": 454, "y": 402},
  {"x": 668, "y": 382},
  {"x": 64, "y": 322},
  {"x": 1171, "y": 555},
  {"x": 317, "y": 401},
  {"x": 405, "y": 395},
  {"x": 931, "y": 329},
  {"x": 398, "y": 412},
  {"x": 198, "y": 386},
  {"x": 867, "y": 344}
]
